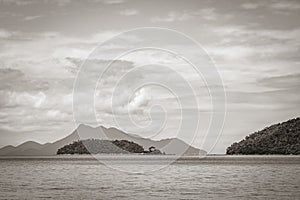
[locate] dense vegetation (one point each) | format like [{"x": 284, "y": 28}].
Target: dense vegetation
[
  {"x": 282, "y": 138},
  {"x": 128, "y": 146},
  {"x": 95, "y": 146}
]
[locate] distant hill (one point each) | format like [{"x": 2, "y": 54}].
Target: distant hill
[
  {"x": 281, "y": 138},
  {"x": 169, "y": 146}
]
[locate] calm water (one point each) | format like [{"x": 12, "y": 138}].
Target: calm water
[{"x": 217, "y": 177}]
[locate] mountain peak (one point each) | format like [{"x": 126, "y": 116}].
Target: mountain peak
[
  {"x": 84, "y": 126},
  {"x": 102, "y": 133}
]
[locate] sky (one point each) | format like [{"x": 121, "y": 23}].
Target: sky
[{"x": 44, "y": 45}]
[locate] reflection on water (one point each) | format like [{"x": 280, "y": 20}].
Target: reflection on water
[{"x": 218, "y": 177}]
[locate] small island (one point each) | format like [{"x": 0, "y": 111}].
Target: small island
[
  {"x": 96, "y": 146},
  {"x": 282, "y": 138}
]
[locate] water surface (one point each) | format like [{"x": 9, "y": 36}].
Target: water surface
[{"x": 216, "y": 177}]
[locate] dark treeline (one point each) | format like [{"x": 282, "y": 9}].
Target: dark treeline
[
  {"x": 282, "y": 138},
  {"x": 96, "y": 146}
]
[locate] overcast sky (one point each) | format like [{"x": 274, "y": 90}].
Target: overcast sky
[{"x": 254, "y": 44}]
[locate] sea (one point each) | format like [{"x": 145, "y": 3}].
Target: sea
[{"x": 150, "y": 177}]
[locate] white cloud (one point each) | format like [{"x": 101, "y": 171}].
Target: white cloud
[
  {"x": 111, "y": 1},
  {"x": 205, "y": 13},
  {"x": 140, "y": 99},
  {"x": 129, "y": 12},
  {"x": 5, "y": 34},
  {"x": 277, "y": 6},
  {"x": 173, "y": 16},
  {"x": 233, "y": 52},
  {"x": 29, "y": 18},
  {"x": 285, "y": 5},
  {"x": 16, "y": 99},
  {"x": 17, "y": 2},
  {"x": 245, "y": 44},
  {"x": 57, "y": 114},
  {"x": 250, "y": 6},
  {"x": 259, "y": 36}
]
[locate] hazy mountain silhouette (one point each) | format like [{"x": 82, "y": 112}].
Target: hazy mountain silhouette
[{"x": 169, "y": 146}]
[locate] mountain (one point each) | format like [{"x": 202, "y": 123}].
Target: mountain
[
  {"x": 281, "y": 138},
  {"x": 84, "y": 132}
]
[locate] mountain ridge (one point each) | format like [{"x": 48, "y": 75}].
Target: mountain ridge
[{"x": 31, "y": 148}]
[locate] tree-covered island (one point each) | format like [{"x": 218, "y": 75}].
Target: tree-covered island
[
  {"x": 281, "y": 138},
  {"x": 96, "y": 146}
]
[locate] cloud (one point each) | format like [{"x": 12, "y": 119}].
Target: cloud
[
  {"x": 16, "y": 2},
  {"x": 241, "y": 101},
  {"x": 112, "y": 1},
  {"x": 173, "y": 16},
  {"x": 21, "y": 99},
  {"x": 285, "y": 5},
  {"x": 240, "y": 42},
  {"x": 5, "y": 34},
  {"x": 29, "y": 18},
  {"x": 277, "y": 6},
  {"x": 129, "y": 12},
  {"x": 136, "y": 105},
  {"x": 205, "y": 13},
  {"x": 246, "y": 32},
  {"x": 289, "y": 81},
  {"x": 233, "y": 52},
  {"x": 15, "y": 80},
  {"x": 250, "y": 6}
]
